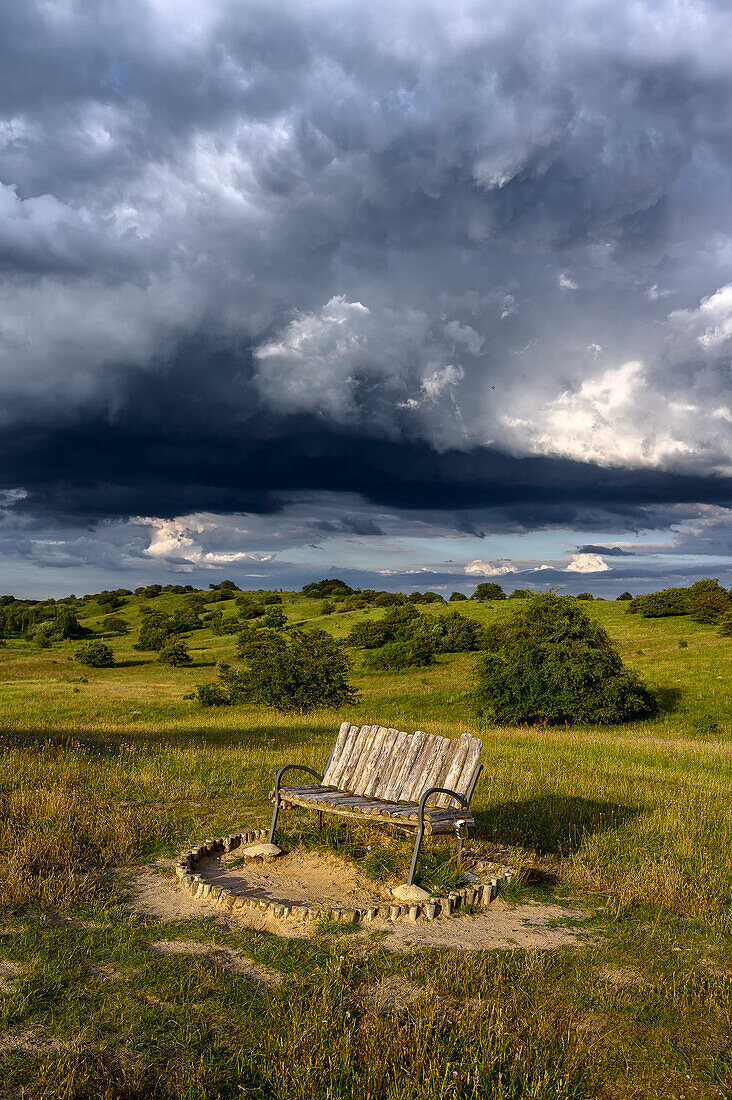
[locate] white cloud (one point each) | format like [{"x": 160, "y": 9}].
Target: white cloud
[
  {"x": 587, "y": 563},
  {"x": 566, "y": 282},
  {"x": 480, "y": 568}
]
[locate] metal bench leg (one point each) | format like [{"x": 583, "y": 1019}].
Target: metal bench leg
[
  {"x": 462, "y": 836},
  {"x": 275, "y": 815},
  {"x": 415, "y": 854},
  {"x": 320, "y": 821}
]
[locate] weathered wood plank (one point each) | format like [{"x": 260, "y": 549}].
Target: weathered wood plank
[
  {"x": 338, "y": 764},
  {"x": 365, "y": 771},
  {"x": 455, "y": 767},
  {"x": 398, "y": 784},
  {"x": 381, "y": 762},
  {"x": 360, "y": 745},
  {"x": 398, "y": 752},
  {"x": 450, "y": 747},
  {"x": 468, "y": 768},
  {"x": 334, "y": 778},
  {"x": 337, "y": 749},
  {"x": 415, "y": 782},
  {"x": 435, "y": 767}
]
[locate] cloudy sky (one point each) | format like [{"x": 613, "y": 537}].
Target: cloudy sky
[{"x": 412, "y": 293}]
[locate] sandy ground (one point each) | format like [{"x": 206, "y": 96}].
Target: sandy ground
[{"x": 500, "y": 926}]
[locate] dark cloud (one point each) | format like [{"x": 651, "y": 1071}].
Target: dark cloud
[
  {"x": 606, "y": 551},
  {"x": 458, "y": 264}
]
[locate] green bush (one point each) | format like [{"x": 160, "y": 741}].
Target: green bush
[
  {"x": 488, "y": 591},
  {"x": 370, "y": 635},
  {"x": 212, "y": 695},
  {"x": 399, "y": 655},
  {"x": 115, "y": 624},
  {"x": 454, "y": 633},
  {"x": 300, "y": 673},
  {"x": 521, "y": 594},
  {"x": 725, "y": 625},
  {"x": 624, "y": 596},
  {"x": 95, "y": 655},
  {"x": 661, "y": 605},
  {"x": 274, "y": 617},
  {"x": 174, "y": 652},
  {"x": 457, "y": 596},
  {"x": 550, "y": 663},
  {"x": 584, "y": 596},
  {"x": 709, "y": 607}
]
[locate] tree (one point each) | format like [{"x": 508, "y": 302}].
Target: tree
[
  {"x": 301, "y": 672},
  {"x": 521, "y": 594},
  {"x": 154, "y": 629},
  {"x": 624, "y": 596},
  {"x": 115, "y": 624},
  {"x": 709, "y": 606},
  {"x": 416, "y": 653},
  {"x": 455, "y": 596},
  {"x": 725, "y": 625},
  {"x": 331, "y": 586},
  {"x": 95, "y": 655},
  {"x": 584, "y": 596},
  {"x": 274, "y": 617},
  {"x": 175, "y": 652},
  {"x": 488, "y": 591},
  {"x": 550, "y": 663}
]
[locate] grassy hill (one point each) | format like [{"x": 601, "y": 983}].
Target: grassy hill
[{"x": 102, "y": 770}]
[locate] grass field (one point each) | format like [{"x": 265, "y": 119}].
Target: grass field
[{"x": 101, "y": 770}]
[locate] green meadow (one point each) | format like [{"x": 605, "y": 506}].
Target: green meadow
[{"x": 105, "y": 770}]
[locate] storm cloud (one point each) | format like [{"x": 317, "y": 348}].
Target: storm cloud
[{"x": 460, "y": 262}]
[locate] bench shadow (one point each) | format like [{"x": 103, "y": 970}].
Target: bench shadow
[{"x": 550, "y": 825}]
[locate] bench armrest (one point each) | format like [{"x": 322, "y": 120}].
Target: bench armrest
[
  {"x": 440, "y": 790},
  {"x": 293, "y": 767}
]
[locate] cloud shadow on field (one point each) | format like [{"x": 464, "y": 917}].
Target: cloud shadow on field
[{"x": 551, "y": 824}]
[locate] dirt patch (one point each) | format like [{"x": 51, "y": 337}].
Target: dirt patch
[
  {"x": 393, "y": 994},
  {"x": 103, "y": 973},
  {"x": 224, "y": 959},
  {"x": 10, "y": 930},
  {"x": 9, "y": 974},
  {"x": 28, "y": 1042},
  {"x": 397, "y": 994},
  {"x": 591, "y": 1023},
  {"x": 498, "y": 927},
  {"x": 69, "y": 923},
  {"x": 622, "y": 977},
  {"x": 297, "y": 878}
]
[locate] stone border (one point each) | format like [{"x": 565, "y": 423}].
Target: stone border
[{"x": 480, "y": 893}]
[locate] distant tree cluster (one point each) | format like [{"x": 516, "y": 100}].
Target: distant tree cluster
[
  {"x": 407, "y": 638},
  {"x": 705, "y": 601}
]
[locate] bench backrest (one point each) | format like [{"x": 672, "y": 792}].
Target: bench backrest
[{"x": 399, "y": 767}]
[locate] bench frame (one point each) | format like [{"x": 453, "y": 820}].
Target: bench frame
[{"x": 460, "y": 827}]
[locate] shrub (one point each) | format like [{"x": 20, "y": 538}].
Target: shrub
[
  {"x": 488, "y": 591},
  {"x": 327, "y": 607},
  {"x": 274, "y": 617},
  {"x": 709, "y": 606},
  {"x": 455, "y": 596},
  {"x": 661, "y": 605},
  {"x": 174, "y": 652},
  {"x": 624, "y": 596},
  {"x": 389, "y": 599},
  {"x": 329, "y": 587},
  {"x": 456, "y": 634},
  {"x": 584, "y": 596},
  {"x": 521, "y": 594},
  {"x": 212, "y": 695},
  {"x": 95, "y": 655},
  {"x": 725, "y": 625},
  {"x": 370, "y": 635},
  {"x": 300, "y": 673},
  {"x": 549, "y": 662},
  {"x": 115, "y": 624},
  {"x": 399, "y": 655}
]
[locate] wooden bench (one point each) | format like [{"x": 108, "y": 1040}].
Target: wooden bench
[{"x": 385, "y": 776}]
